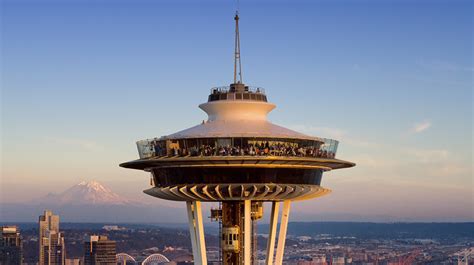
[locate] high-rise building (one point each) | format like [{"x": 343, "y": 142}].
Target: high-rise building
[
  {"x": 99, "y": 250},
  {"x": 11, "y": 246},
  {"x": 52, "y": 249},
  {"x": 241, "y": 160}
]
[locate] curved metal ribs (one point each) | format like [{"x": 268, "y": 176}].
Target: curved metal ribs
[{"x": 238, "y": 192}]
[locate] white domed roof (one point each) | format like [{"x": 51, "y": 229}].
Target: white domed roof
[
  {"x": 239, "y": 128},
  {"x": 238, "y": 119}
]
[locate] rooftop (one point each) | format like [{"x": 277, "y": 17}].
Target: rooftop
[{"x": 237, "y": 92}]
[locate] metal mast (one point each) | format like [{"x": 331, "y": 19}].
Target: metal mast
[{"x": 237, "y": 63}]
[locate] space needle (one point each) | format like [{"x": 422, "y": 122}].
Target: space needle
[{"x": 239, "y": 159}]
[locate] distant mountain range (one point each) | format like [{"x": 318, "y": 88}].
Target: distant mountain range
[
  {"x": 85, "y": 193},
  {"x": 90, "y": 202}
]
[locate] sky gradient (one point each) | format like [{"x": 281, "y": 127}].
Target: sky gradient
[{"x": 392, "y": 80}]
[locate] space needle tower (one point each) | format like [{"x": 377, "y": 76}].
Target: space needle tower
[{"x": 240, "y": 160}]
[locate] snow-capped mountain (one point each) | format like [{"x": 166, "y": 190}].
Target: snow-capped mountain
[
  {"x": 86, "y": 193},
  {"x": 91, "y": 202}
]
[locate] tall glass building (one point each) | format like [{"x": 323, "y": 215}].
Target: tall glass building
[
  {"x": 99, "y": 250},
  {"x": 11, "y": 246},
  {"x": 52, "y": 249}
]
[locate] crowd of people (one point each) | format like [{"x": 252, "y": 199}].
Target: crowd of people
[{"x": 258, "y": 149}]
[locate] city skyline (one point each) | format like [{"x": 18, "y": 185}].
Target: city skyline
[
  {"x": 393, "y": 95},
  {"x": 350, "y": 243}
]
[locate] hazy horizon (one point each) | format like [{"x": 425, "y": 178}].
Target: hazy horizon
[{"x": 391, "y": 80}]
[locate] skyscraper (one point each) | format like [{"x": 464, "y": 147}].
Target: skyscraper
[
  {"x": 52, "y": 249},
  {"x": 11, "y": 246},
  {"x": 99, "y": 250},
  {"x": 241, "y": 160}
]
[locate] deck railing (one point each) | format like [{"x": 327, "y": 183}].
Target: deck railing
[
  {"x": 226, "y": 89},
  {"x": 326, "y": 148}
]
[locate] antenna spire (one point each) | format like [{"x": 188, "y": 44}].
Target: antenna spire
[{"x": 237, "y": 63}]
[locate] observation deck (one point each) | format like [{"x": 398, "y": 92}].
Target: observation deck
[
  {"x": 220, "y": 169},
  {"x": 243, "y": 151},
  {"x": 236, "y": 154}
]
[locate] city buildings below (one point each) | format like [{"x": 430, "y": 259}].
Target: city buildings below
[
  {"x": 52, "y": 249},
  {"x": 11, "y": 246},
  {"x": 99, "y": 250},
  {"x": 374, "y": 244}
]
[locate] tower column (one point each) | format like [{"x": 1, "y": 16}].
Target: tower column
[
  {"x": 282, "y": 234},
  {"x": 247, "y": 231},
  {"x": 196, "y": 231},
  {"x": 192, "y": 231},
  {"x": 272, "y": 232},
  {"x": 200, "y": 232}
]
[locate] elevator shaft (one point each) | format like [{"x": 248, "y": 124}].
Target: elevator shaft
[{"x": 234, "y": 229}]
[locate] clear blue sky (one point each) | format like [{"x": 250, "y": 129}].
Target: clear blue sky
[{"x": 392, "y": 80}]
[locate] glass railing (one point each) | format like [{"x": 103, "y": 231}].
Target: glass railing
[
  {"x": 230, "y": 93},
  {"x": 323, "y": 148},
  {"x": 227, "y": 89}
]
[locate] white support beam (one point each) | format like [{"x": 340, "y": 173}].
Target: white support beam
[
  {"x": 272, "y": 232},
  {"x": 201, "y": 242},
  {"x": 247, "y": 232},
  {"x": 282, "y": 234},
  {"x": 192, "y": 232}
]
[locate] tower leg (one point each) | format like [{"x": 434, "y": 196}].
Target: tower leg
[
  {"x": 272, "y": 232},
  {"x": 247, "y": 232},
  {"x": 282, "y": 234},
  {"x": 200, "y": 232},
  {"x": 192, "y": 231}
]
